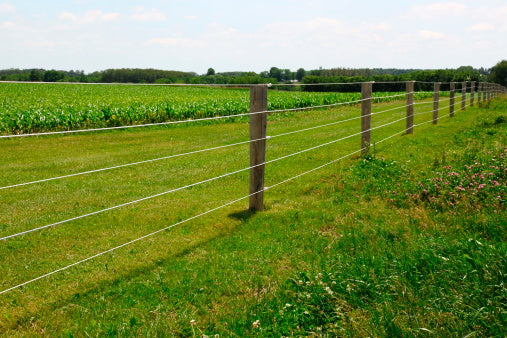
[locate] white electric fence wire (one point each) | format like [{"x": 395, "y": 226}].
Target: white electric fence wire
[
  {"x": 421, "y": 103},
  {"x": 130, "y": 164},
  {"x": 443, "y": 100},
  {"x": 187, "y": 153},
  {"x": 131, "y": 126},
  {"x": 425, "y": 92},
  {"x": 388, "y": 110},
  {"x": 203, "y": 150},
  {"x": 429, "y": 121},
  {"x": 189, "y": 219},
  {"x": 179, "y": 223},
  {"x": 315, "y": 84},
  {"x": 241, "y": 85},
  {"x": 191, "y": 120},
  {"x": 189, "y": 185},
  {"x": 329, "y": 105},
  {"x": 386, "y": 124},
  {"x": 442, "y": 83},
  {"x": 123, "y": 245},
  {"x": 176, "y": 122},
  {"x": 312, "y": 107},
  {"x": 125, "y": 204},
  {"x": 422, "y": 113},
  {"x": 176, "y": 155},
  {"x": 391, "y": 96}
]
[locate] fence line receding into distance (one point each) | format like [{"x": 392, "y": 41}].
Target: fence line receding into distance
[{"x": 258, "y": 144}]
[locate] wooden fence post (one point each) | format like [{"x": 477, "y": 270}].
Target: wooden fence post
[
  {"x": 463, "y": 95},
  {"x": 478, "y": 93},
  {"x": 258, "y": 103},
  {"x": 436, "y": 101},
  {"x": 472, "y": 93},
  {"x": 451, "y": 106},
  {"x": 410, "y": 107},
  {"x": 366, "y": 92}
]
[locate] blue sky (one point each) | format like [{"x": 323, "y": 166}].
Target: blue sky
[{"x": 230, "y": 35}]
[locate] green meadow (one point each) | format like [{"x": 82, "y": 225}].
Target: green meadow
[{"x": 409, "y": 240}]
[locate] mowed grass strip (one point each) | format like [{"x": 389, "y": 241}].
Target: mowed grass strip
[{"x": 220, "y": 270}]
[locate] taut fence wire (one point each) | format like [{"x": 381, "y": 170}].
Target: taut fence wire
[{"x": 475, "y": 92}]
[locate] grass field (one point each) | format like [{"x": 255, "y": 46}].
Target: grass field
[{"x": 363, "y": 247}]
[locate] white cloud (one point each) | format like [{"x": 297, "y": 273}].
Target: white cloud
[
  {"x": 383, "y": 26},
  {"x": 68, "y": 17},
  {"x": 176, "y": 42},
  {"x": 447, "y": 8},
  {"x": 6, "y": 8},
  {"x": 89, "y": 17},
  {"x": 142, "y": 14},
  {"x": 46, "y": 44},
  {"x": 439, "y": 9},
  {"x": 482, "y": 27},
  {"x": 99, "y": 16},
  {"x": 494, "y": 16},
  {"x": 429, "y": 35},
  {"x": 8, "y": 25},
  {"x": 432, "y": 34},
  {"x": 305, "y": 33}
]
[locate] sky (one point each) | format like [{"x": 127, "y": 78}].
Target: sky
[{"x": 237, "y": 35}]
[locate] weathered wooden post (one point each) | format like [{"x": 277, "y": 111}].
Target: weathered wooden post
[
  {"x": 436, "y": 101},
  {"x": 410, "y": 107},
  {"x": 472, "y": 93},
  {"x": 366, "y": 92},
  {"x": 478, "y": 93},
  {"x": 258, "y": 121},
  {"x": 463, "y": 95},
  {"x": 451, "y": 105}
]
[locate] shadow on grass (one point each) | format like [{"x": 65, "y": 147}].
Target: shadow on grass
[
  {"x": 244, "y": 215},
  {"x": 100, "y": 286}
]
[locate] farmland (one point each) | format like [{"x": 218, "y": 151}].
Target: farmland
[
  {"x": 357, "y": 248},
  {"x": 29, "y": 108}
]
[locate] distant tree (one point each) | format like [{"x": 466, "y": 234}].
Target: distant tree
[
  {"x": 210, "y": 72},
  {"x": 315, "y": 72},
  {"x": 53, "y": 76},
  {"x": 300, "y": 74},
  {"x": 499, "y": 73},
  {"x": 287, "y": 75},
  {"x": 36, "y": 75},
  {"x": 276, "y": 73},
  {"x": 137, "y": 75}
]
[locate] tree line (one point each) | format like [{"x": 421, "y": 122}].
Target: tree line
[
  {"x": 125, "y": 75},
  {"x": 306, "y": 78}
]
